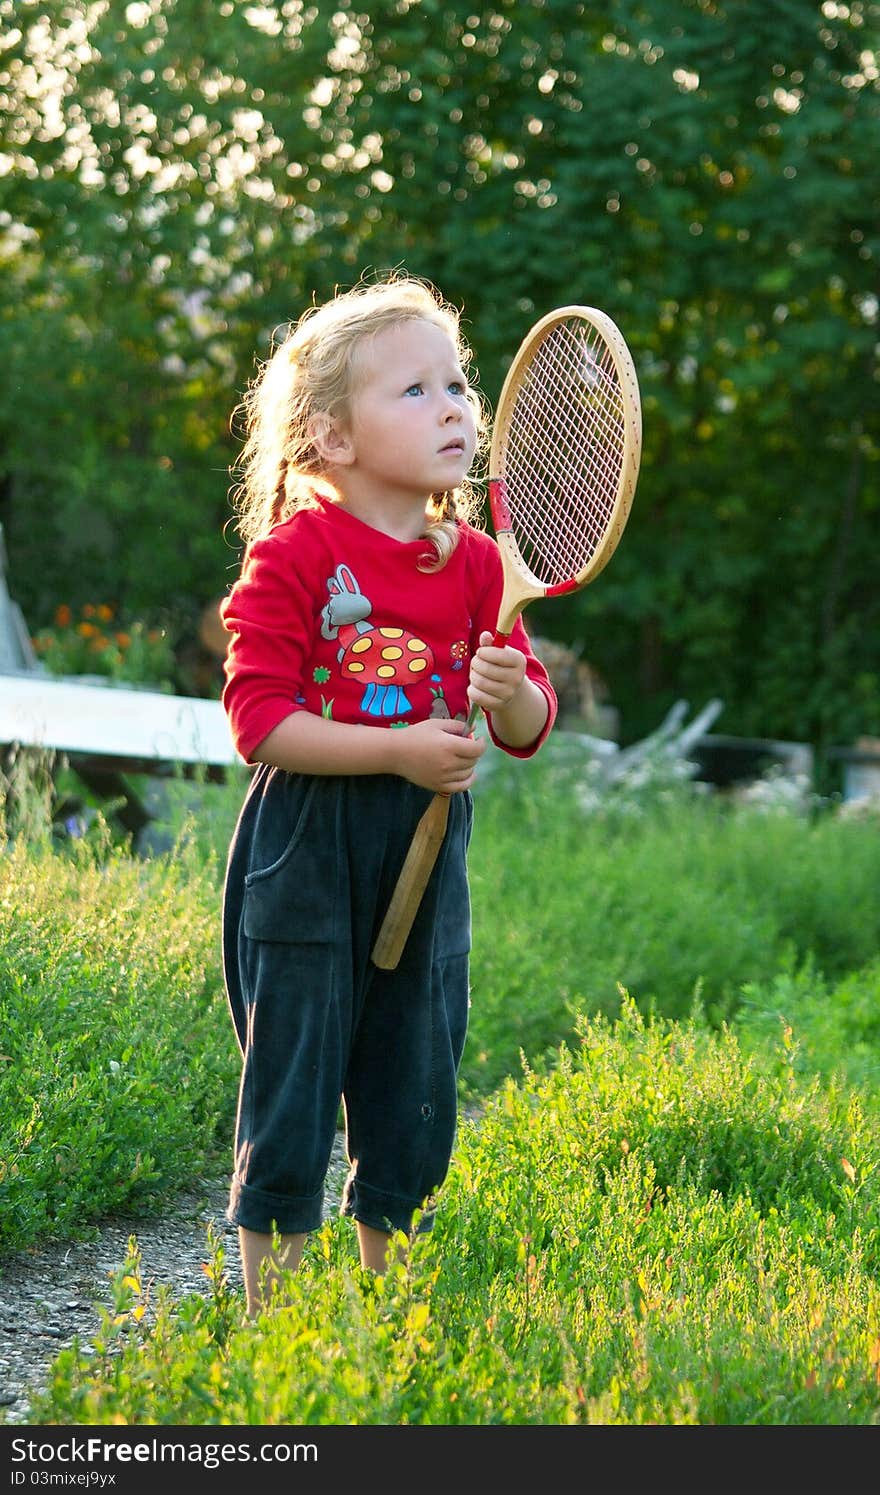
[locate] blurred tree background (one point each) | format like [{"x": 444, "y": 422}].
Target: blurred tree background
[{"x": 178, "y": 178}]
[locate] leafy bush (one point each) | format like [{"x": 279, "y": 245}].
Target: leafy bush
[
  {"x": 679, "y": 897},
  {"x": 97, "y": 642},
  {"x": 831, "y": 1027},
  {"x": 118, "y": 1073},
  {"x": 121, "y": 1072},
  {"x": 656, "y": 1231},
  {"x": 657, "y": 1213}
]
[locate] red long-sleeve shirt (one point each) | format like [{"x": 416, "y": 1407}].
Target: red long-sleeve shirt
[{"x": 334, "y": 617}]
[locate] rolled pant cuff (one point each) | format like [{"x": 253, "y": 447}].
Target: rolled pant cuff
[
  {"x": 255, "y": 1209},
  {"x": 381, "y": 1211}
]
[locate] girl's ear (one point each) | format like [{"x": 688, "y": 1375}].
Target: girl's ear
[{"x": 331, "y": 439}]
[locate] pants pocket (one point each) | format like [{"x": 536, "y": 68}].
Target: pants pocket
[{"x": 291, "y": 899}]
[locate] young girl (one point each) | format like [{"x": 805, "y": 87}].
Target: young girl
[{"x": 361, "y": 630}]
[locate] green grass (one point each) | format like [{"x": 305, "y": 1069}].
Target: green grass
[
  {"x": 656, "y": 1231},
  {"x": 832, "y": 1027},
  {"x": 118, "y": 1071},
  {"x": 685, "y": 899},
  {"x": 667, "y": 1212}
]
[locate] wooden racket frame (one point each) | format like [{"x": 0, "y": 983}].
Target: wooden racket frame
[{"x": 520, "y": 586}]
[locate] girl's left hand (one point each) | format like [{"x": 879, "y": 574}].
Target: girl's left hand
[{"x": 496, "y": 674}]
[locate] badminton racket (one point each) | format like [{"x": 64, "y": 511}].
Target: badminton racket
[{"x": 563, "y": 465}]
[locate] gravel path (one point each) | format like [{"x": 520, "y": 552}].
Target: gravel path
[{"x": 49, "y": 1295}]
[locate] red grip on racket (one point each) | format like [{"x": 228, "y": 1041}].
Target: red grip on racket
[
  {"x": 500, "y": 640},
  {"x": 501, "y": 516}
]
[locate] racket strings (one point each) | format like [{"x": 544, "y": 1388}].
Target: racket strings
[{"x": 563, "y": 454}]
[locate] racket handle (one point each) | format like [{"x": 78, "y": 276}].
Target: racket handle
[
  {"x": 417, "y": 869},
  {"x": 411, "y": 884}
]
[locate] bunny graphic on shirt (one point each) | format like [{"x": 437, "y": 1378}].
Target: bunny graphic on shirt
[{"x": 386, "y": 660}]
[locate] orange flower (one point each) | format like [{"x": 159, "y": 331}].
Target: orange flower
[
  {"x": 87, "y": 630},
  {"x": 88, "y": 610},
  {"x": 105, "y": 613},
  {"x": 123, "y": 640},
  {"x": 62, "y": 615}
]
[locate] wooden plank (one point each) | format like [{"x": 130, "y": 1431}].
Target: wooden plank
[{"x": 113, "y": 722}]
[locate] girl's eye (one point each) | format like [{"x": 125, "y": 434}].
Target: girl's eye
[
  {"x": 415, "y": 389},
  {"x": 456, "y": 387}
]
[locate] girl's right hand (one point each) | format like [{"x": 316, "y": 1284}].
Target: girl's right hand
[{"x": 437, "y": 754}]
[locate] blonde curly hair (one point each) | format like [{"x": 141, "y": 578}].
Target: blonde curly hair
[{"x": 308, "y": 372}]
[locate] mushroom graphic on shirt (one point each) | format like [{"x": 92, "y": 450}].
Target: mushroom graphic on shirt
[{"x": 385, "y": 660}]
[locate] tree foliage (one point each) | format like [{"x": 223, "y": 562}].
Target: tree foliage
[{"x": 182, "y": 178}]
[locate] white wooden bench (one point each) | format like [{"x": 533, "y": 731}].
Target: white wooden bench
[
  {"x": 102, "y": 729},
  {"x": 107, "y": 731}
]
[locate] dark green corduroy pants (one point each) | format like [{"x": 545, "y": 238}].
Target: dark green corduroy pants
[{"x": 312, "y": 865}]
